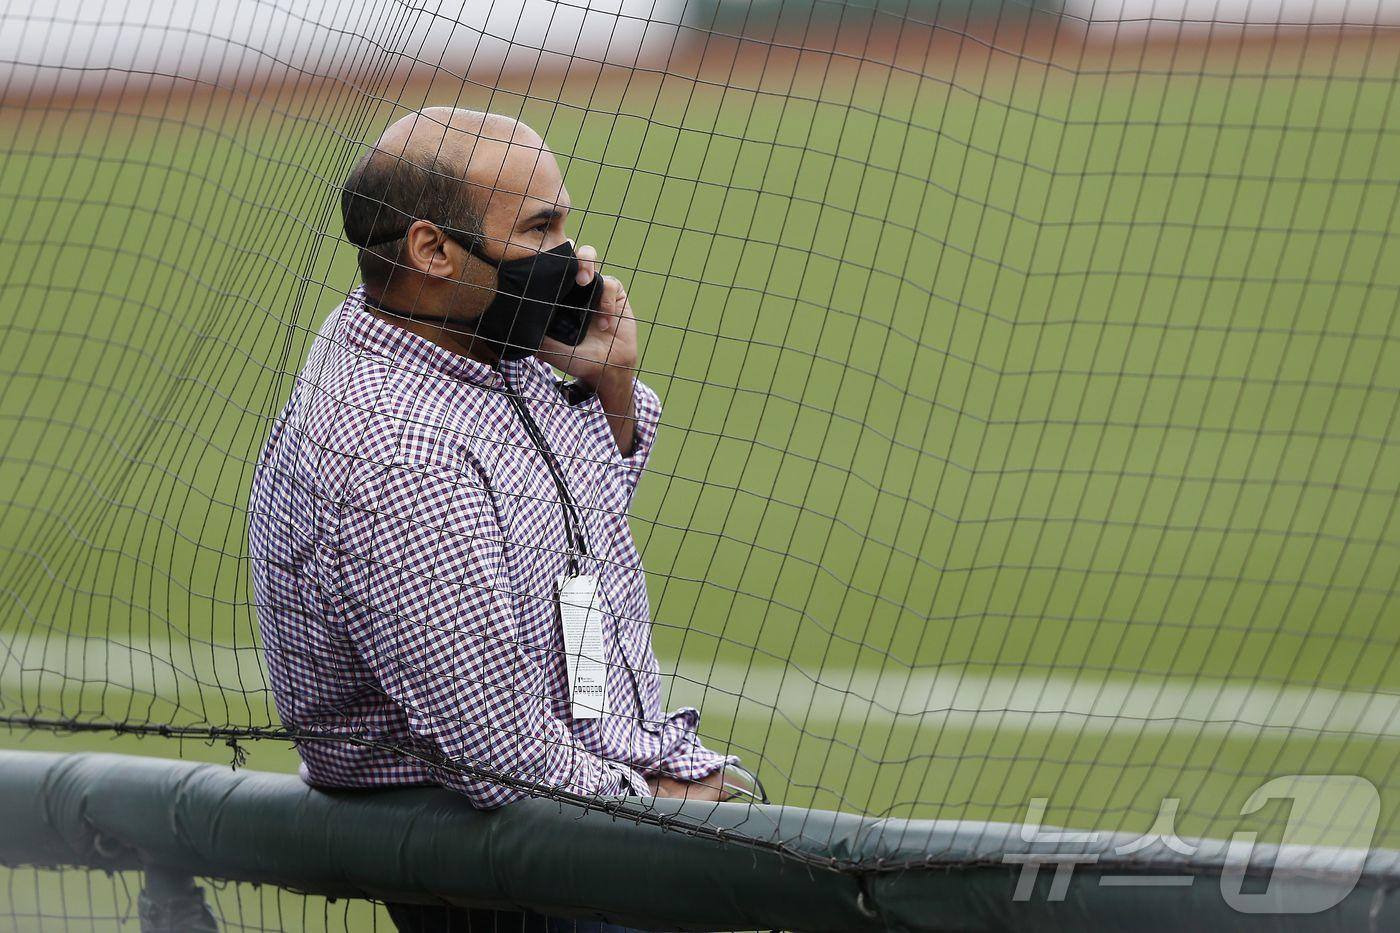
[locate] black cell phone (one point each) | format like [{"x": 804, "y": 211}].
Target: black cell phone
[{"x": 569, "y": 322}]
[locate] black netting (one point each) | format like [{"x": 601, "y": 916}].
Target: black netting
[{"x": 1028, "y": 377}]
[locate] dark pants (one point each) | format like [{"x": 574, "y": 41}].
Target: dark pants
[{"x": 434, "y": 918}]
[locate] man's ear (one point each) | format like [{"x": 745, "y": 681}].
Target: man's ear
[{"x": 424, "y": 251}]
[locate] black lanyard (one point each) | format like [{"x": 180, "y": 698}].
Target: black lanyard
[{"x": 573, "y": 522}]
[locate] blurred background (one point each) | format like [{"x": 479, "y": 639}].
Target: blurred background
[{"x": 1030, "y": 371}]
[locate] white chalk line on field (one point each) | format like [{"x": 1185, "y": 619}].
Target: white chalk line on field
[
  {"x": 1038, "y": 700},
  {"x": 41, "y": 665}
]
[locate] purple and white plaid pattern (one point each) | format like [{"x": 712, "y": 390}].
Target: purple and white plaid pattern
[{"x": 406, "y": 540}]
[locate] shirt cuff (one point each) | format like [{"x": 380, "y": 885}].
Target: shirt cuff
[
  {"x": 630, "y": 781},
  {"x": 647, "y": 408},
  {"x": 688, "y": 760},
  {"x": 694, "y": 763}
]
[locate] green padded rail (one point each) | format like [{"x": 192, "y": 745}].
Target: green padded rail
[{"x": 805, "y": 869}]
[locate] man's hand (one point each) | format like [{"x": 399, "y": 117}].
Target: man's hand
[
  {"x": 608, "y": 350},
  {"x": 606, "y": 358},
  {"x": 710, "y": 787}
]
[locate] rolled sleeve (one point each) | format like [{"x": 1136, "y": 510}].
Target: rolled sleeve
[
  {"x": 647, "y": 409},
  {"x": 693, "y": 761},
  {"x": 685, "y": 758},
  {"x": 428, "y": 603},
  {"x": 647, "y": 406},
  {"x": 633, "y": 783}
]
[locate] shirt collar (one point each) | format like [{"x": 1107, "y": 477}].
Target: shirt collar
[{"x": 360, "y": 328}]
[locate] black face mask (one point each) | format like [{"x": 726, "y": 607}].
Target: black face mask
[{"x": 537, "y": 296}]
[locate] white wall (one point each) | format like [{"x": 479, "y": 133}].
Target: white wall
[
  {"x": 1263, "y": 12},
  {"x": 75, "y": 41},
  {"x": 90, "y": 43}
]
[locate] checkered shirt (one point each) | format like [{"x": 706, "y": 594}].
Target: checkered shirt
[{"x": 406, "y": 540}]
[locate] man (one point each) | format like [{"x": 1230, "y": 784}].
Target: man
[{"x": 431, "y": 493}]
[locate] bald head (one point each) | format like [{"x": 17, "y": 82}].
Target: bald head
[{"x": 476, "y": 175}]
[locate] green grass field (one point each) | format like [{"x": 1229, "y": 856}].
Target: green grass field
[{"x": 1033, "y": 438}]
